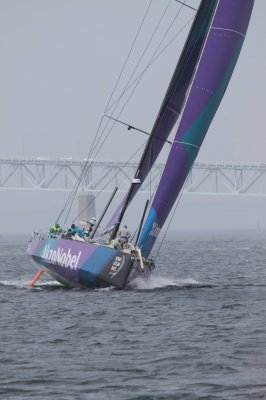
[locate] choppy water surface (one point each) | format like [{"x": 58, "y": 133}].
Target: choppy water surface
[{"x": 195, "y": 331}]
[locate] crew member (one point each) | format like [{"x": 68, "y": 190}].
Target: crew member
[
  {"x": 124, "y": 235},
  {"x": 91, "y": 226},
  {"x": 73, "y": 230},
  {"x": 56, "y": 230}
]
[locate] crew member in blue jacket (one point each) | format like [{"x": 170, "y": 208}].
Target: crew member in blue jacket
[{"x": 73, "y": 230}]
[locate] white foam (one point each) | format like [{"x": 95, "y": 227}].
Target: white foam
[
  {"x": 158, "y": 282},
  {"x": 47, "y": 283},
  {"x": 14, "y": 283},
  {"x": 106, "y": 289},
  {"x": 23, "y": 283}
]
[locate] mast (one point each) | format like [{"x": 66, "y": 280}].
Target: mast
[
  {"x": 214, "y": 70},
  {"x": 171, "y": 106},
  {"x": 104, "y": 212}
]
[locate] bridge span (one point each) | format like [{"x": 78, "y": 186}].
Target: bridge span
[{"x": 206, "y": 178}]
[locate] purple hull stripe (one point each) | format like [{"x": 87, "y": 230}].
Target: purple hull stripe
[{"x": 67, "y": 258}]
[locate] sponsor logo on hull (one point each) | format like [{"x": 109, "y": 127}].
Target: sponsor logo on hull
[
  {"x": 117, "y": 265},
  {"x": 61, "y": 257}
]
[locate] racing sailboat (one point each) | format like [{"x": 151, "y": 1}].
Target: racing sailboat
[{"x": 193, "y": 96}]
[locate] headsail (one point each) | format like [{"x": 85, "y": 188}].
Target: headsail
[
  {"x": 172, "y": 103},
  {"x": 214, "y": 70}
]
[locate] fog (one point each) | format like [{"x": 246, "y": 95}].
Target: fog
[{"x": 60, "y": 60}]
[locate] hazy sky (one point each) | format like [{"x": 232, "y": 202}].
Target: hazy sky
[{"x": 59, "y": 62}]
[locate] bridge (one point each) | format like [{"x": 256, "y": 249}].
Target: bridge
[{"x": 102, "y": 176}]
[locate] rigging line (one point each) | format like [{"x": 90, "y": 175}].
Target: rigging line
[
  {"x": 116, "y": 103},
  {"x": 141, "y": 57},
  {"x": 94, "y": 145},
  {"x": 103, "y": 131},
  {"x": 74, "y": 190},
  {"x": 114, "y": 176},
  {"x": 95, "y": 137},
  {"x": 108, "y": 121},
  {"x": 82, "y": 173},
  {"x": 136, "y": 129},
  {"x": 167, "y": 31},
  {"x": 186, "y": 5},
  {"x": 119, "y": 170},
  {"x": 87, "y": 165},
  {"x": 127, "y": 58},
  {"x": 129, "y": 126},
  {"x": 108, "y": 133},
  {"x": 135, "y": 70},
  {"x": 140, "y": 77},
  {"x": 145, "y": 15},
  {"x": 72, "y": 195},
  {"x": 137, "y": 81},
  {"x": 153, "y": 60},
  {"x": 153, "y": 57},
  {"x": 128, "y": 83}
]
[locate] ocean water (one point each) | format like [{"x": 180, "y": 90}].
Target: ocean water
[{"x": 196, "y": 330}]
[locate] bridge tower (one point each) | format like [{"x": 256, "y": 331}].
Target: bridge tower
[{"x": 86, "y": 206}]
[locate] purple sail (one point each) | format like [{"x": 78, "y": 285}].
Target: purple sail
[
  {"x": 172, "y": 104},
  {"x": 215, "y": 67}
]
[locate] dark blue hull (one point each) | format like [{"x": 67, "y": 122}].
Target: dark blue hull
[{"x": 87, "y": 265}]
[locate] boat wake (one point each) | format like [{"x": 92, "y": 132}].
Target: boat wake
[
  {"x": 159, "y": 282},
  {"x": 13, "y": 283},
  {"x": 22, "y": 284},
  {"x": 46, "y": 285}
]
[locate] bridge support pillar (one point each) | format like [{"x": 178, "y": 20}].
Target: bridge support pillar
[{"x": 86, "y": 206}]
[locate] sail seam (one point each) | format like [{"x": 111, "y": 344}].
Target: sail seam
[
  {"x": 186, "y": 143},
  {"x": 230, "y": 30}
]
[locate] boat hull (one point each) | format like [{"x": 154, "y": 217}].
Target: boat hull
[{"x": 86, "y": 265}]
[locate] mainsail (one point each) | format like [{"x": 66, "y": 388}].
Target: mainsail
[
  {"x": 215, "y": 67},
  {"x": 171, "y": 105}
]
